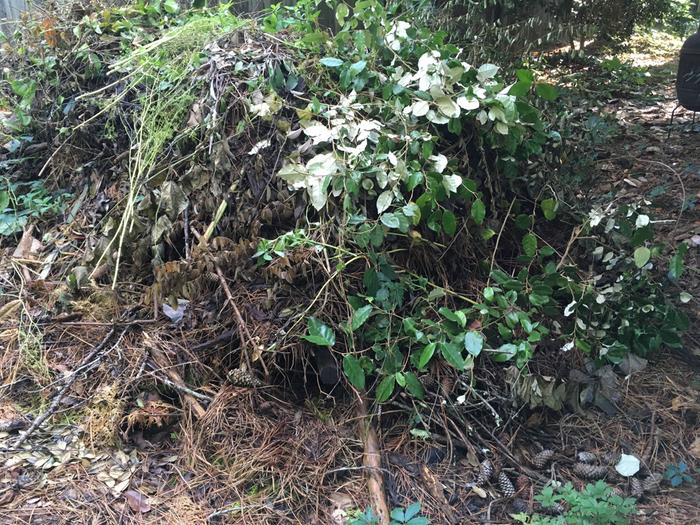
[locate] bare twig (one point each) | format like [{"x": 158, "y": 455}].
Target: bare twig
[
  {"x": 498, "y": 241},
  {"x": 182, "y": 388}
]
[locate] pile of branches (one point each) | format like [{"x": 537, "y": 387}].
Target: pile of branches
[{"x": 365, "y": 215}]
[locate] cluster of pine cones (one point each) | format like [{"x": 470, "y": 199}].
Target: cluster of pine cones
[
  {"x": 590, "y": 466},
  {"x": 486, "y": 473}
]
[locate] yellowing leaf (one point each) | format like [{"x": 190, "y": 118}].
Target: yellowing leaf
[
  {"x": 447, "y": 107},
  {"x": 468, "y": 103},
  {"x": 420, "y": 108}
]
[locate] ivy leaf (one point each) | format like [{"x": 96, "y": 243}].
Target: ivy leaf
[
  {"x": 474, "y": 342},
  {"x": 341, "y": 13},
  {"x": 384, "y": 201},
  {"x": 451, "y": 183},
  {"x": 358, "y": 67},
  {"x": 530, "y": 244},
  {"x": 642, "y": 256},
  {"x": 331, "y": 62},
  {"x": 486, "y": 72},
  {"x": 319, "y": 333},
  {"x": 447, "y": 107},
  {"x": 452, "y": 355},
  {"x": 390, "y": 220},
  {"x": 420, "y": 108},
  {"x": 506, "y": 353},
  {"x": 354, "y": 371},
  {"x": 449, "y": 222},
  {"x": 414, "y": 386},
  {"x": 359, "y": 317},
  {"x": 426, "y": 355},
  {"x": 478, "y": 211},
  {"x": 549, "y": 208},
  {"x": 386, "y": 388}
]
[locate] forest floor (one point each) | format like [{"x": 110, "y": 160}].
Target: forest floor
[{"x": 156, "y": 471}]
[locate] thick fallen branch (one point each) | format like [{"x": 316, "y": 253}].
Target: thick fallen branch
[{"x": 372, "y": 460}]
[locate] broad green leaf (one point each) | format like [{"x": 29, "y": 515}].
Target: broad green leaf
[
  {"x": 390, "y": 220},
  {"x": 4, "y": 200},
  {"x": 412, "y": 510},
  {"x": 414, "y": 386},
  {"x": 359, "y": 317},
  {"x": 530, "y": 244},
  {"x": 331, "y": 62},
  {"x": 478, "y": 211},
  {"x": 358, "y": 67},
  {"x": 489, "y": 293},
  {"x": 398, "y": 515},
  {"x": 341, "y": 13},
  {"x": 449, "y": 223},
  {"x": 458, "y": 316},
  {"x": 642, "y": 256},
  {"x": 675, "y": 267},
  {"x": 520, "y": 89},
  {"x": 384, "y": 201},
  {"x": 319, "y": 333},
  {"x": 386, "y": 388},
  {"x": 452, "y": 355},
  {"x": 549, "y": 208},
  {"x": 546, "y": 91},
  {"x": 400, "y": 379},
  {"x": 418, "y": 520},
  {"x": 426, "y": 355},
  {"x": 171, "y": 6},
  {"x": 474, "y": 342},
  {"x": 506, "y": 353},
  {"x": 354, "y": 371}
]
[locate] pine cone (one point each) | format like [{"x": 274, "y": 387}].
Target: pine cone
[
  {"x": 652, "y": 482},
  {"x": 587, "y": 457},
  {"x": 243, "y": 378},
  {"x": 636, "y": 488},
  {"x": 540, "y": 460},
  {"x": 485, "y": 472},
  {"x": 618, "y": 491},
  {"x": 428, "y": 381},
  {"x": 611, "y": 457},
  {"x": 522, "y": 483},
  {"x": 520, "y": 505},
  {"x": 587, "y": 471},
  {"x": 556, "y": 509},
  {"x": 505, "y": 486}
]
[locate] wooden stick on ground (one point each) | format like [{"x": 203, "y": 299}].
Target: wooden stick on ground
[
  {"x": 162, "y": 361},
  {"x": 372, "y": 460}
]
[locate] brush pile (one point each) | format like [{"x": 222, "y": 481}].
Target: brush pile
[{"x": 239, "y": 237}]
